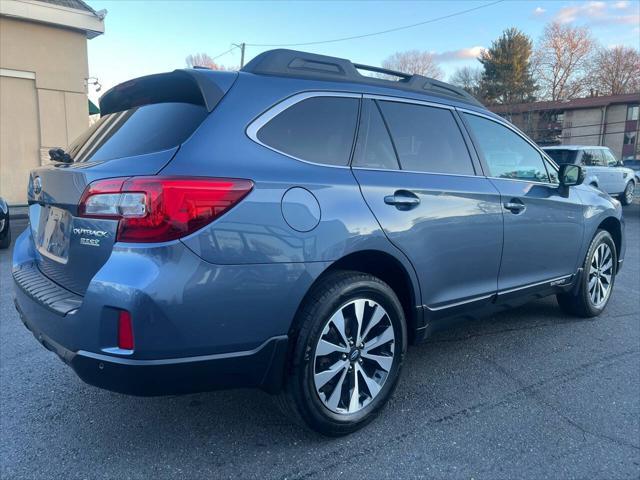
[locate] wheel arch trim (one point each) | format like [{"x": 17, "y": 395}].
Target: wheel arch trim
[{"x": 394, "y": 269}]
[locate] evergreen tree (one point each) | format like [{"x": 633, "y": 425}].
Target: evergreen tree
[{"x": 507, "y": 69}]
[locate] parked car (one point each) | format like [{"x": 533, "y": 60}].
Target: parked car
[
  {"x": 293, "y": 226},
  {"x": 5, "y": 228},
  {"x": 634, "y": 164},
  {"x": 603, "y": 170}
]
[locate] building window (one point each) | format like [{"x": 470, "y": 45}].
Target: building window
[
  {"x": 556, "y": 117},
  {"x": 632, "y": 112},
  {"x": 630, "y": 138}
]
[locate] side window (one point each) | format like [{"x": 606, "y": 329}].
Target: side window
[
  {"x": 506, "y": 153},
  {"x": 593, "y": 158},
  {"x": 609, "y": 159},
  {"x": 427, "y": 139},
  {"x": 318, "y": 129},
  {"x": 373, "y": 148}
]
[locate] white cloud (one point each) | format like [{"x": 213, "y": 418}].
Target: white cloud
[
  {"x": 461, "y": 54},
  {"x": 589, "y": 10},
  {"x": 597, "y": 12},
  {"x": 539, "y": 11}
]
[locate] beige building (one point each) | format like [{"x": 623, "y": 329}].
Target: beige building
[
  {"x": 607, "y": 120},
  {"x": 43, "y": 83}
]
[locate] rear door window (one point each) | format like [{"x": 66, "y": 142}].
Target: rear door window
[
  {"x": 506, "y": 153},
  {"x": 427, "y": 139},
  {"x": 374, "y": 148},
  {"x": 318, "y": 130},
  {"x": 592, "y": 158},
  {"x": 138, "y": 130}
]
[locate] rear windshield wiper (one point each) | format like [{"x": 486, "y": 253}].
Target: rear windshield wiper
[{"x": 59, "y": 155}]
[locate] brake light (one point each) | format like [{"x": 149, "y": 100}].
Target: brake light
[{"x": 158, "y": 209}]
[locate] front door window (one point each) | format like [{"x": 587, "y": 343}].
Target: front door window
[{"x": 506, "y": 153}]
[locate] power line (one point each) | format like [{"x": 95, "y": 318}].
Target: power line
[
  {"x": 225, "y": 52},
  {"x": 590, "y": 135},
  {"x": 395, "y": 29},
  {"x": 570, "y": 127}
]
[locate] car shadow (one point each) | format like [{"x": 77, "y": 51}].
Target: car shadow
[{"x": 252, "y": 416}]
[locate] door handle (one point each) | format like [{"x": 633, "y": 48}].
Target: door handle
[
  {"x": 402, "y": 200},
  {"x": 515, "y": 206}
]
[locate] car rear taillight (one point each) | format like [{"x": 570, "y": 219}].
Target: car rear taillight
[{"x": 158, "y": 209}]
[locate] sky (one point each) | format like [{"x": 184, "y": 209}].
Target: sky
[{"x": 144, "y": 37}]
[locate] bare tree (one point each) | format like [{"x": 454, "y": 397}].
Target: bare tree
[
  {"x": 468, "y": 78},
  {"x": 414, "y": 62},
  {"x": 615, "y": 71},
  {"x": 561, "y": 60},
  {"x": 202, "y": 60}
]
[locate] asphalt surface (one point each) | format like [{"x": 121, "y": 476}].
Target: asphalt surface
[{"x": 530, "y": 393}]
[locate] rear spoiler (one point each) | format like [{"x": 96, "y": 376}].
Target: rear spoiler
[{"x": 198, "y": 86}]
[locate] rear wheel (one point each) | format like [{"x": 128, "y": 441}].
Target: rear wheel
[
  {"x": 596, "y": 283},
  {"x": 626, "y": 198},
  {"x": 348, "y": 354}
]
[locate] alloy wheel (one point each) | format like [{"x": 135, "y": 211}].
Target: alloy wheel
[
  {"x": 353, "y": 356},
  {"x": 600, "y": 275},
  {"x": 628, "y": 192}
]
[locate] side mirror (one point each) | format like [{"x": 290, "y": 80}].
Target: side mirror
[{"x": 571, "y": 175}]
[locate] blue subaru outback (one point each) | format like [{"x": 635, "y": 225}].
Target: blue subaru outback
[{"x": 292, "y": 227}]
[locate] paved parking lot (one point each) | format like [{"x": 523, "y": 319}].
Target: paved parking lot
[{"x": 527, "y": 394}]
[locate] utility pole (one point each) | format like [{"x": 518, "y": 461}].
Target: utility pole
[{"x": 241, "y": 47}]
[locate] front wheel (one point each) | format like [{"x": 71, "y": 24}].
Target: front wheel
[
  {"x": 627, "y": 196},
  {"x": 596, "y": 282},
  {"x": 348, "y": 354}
]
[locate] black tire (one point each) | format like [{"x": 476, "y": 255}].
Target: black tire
[
  {"x": 626, "y": 197},
  {"x": 580, "y": 303},
  {"x": 299, "y": 398},
  {"x": 5, "y": 241}
]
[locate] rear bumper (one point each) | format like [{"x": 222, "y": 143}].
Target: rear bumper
[
  {"x": 197, "y": 326},
  {"x": 262, "y": 367}
]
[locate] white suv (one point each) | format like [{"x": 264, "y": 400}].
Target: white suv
[{"x": 603, "y": 170}]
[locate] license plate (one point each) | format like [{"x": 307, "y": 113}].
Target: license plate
[{"x": 52, "y": 239}]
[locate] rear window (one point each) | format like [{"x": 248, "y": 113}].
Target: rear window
[
  {"x": 562, "y": 156},
  {"x": 318, "y": 130},
  {"x": 139, "y": 130}
]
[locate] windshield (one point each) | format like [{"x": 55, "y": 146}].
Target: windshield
[
  {"x": 139, "y": 130},
  {"x": 562, "y": 156}
]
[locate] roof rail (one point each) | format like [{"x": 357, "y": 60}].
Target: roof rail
[{"x": 293, "y": 63}]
